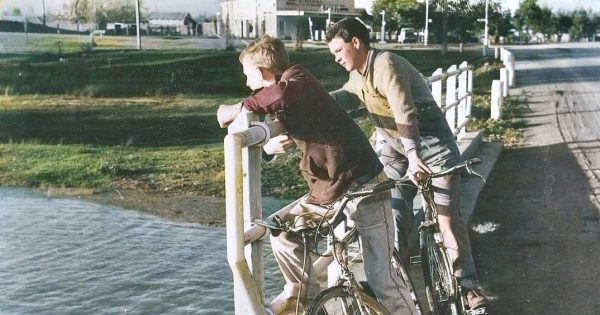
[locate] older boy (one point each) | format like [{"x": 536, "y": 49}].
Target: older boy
[
  {"x": 336, "y": 157},
  {"x": 416, "y": 137}
]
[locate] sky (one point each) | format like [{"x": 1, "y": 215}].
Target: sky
[
  {"x": 194, "y": 7},
  {"x": 210, "y": 7}
]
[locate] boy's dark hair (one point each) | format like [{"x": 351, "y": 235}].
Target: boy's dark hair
[{"x": 346, "y": 29}]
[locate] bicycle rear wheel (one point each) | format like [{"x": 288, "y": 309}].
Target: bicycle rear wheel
[
  {"x": 338, "y": 301},
  {"x": 440, "y": 285}
]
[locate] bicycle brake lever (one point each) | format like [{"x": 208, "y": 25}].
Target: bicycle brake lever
[{"x": 470, "y": 171}]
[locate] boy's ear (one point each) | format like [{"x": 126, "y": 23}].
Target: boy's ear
[
  {"x": 357, "y": 43},
  {"x": 266, "y": 73}
]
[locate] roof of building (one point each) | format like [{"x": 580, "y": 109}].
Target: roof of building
[{"x": 168, "y": 16}]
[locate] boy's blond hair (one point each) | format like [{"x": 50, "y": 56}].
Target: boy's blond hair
[{"x": 267, "y": 52}]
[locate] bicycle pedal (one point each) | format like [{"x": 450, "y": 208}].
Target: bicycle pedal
[
  {"x": 478, "y": 311},
  {"x": 415, "y": 260}
]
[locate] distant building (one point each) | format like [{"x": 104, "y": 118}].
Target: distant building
[
  {"x": 173, "y": 23},
  {"x": 281, "y": 18}
]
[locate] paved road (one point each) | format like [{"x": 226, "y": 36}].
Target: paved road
[{"x": 538, "y": 245}]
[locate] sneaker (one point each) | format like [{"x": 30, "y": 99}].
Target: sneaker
[{"x": 476, "y": 299}]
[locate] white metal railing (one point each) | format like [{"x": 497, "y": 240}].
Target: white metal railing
[{"x": 458, "y": 93}]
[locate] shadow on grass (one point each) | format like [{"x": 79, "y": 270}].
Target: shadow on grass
[{"x": 95, "y": 127}]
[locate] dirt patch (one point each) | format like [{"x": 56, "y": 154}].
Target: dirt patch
[{"x": 204, "y": 210}]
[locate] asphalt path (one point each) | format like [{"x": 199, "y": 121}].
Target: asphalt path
[{"x": 536, "y": 235}]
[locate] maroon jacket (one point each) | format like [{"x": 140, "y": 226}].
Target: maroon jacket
[{"x": 335, "y": 151}]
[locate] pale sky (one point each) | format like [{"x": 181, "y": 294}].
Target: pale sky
[
  {"x": 194, "y": 7},
  {"x": 210, "y": 7}
]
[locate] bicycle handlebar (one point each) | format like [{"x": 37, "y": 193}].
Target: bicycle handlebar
[
  {"x": 389, "y": 184},
  {"x": 278, "y": 224}
]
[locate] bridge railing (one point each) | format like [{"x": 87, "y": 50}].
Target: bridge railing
[
  {"x": 455, "y": 98},
  {"x": 242, "y": 148}
]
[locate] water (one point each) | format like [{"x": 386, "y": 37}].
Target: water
[{"x": 67, "y": 256}]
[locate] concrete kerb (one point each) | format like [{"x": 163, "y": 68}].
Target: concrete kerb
[{"x": 470, "y": 146}]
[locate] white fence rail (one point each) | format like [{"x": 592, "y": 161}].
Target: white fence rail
[{"x": 243, "y": 185}]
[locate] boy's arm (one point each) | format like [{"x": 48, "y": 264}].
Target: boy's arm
[
  {"x": 269, "y": 100},
  {"x": 394, "y": 81},
  {"x": 347, "y": 96}
]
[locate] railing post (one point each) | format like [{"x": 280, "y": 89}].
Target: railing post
[
  {"x": 242, "y": 206},
  {"x": 504, "y": 78},
  {"x": 436, "y": 88},
  {"x": 470, "y": 91},
  {"x": 462, "y": 106},
  {"x": 251, "y": 159},
  {"x": 510, "y": 65},
  {"x": 451, "y": 98},
  {"x": 496, "y": 99}
]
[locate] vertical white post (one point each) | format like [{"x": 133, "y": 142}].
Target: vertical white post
[
  {"x": 462, "y": 106},
  {"x": 243, "y": 204},
  {"x": 496, "y": 52},
  {"x": 509, "y": 62},
  {"x": 486, "y": 30},
  {"x": 382, "y": 41},
  {"x": 451, "y": 98},
  {"x": 252, "y": 200},
  {"x": 470, "y": 91},
  {"x": 137, "y": 24},
  {"x": 426, "y": 22},
  {"x": 436, "y": 88},
  {"x": 497, "y": 100},
  {"x": 504, "y": 79}
]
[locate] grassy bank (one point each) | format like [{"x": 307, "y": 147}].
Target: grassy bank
[{"x": 121, "y": 119}]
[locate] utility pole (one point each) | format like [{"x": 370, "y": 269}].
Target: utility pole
[
  {"x": 444, "y": 27},
  {"x": 486, "y": 30},
  {"x": 382, "y": 41},
  {"x": 137, "y": 23},
  {"x": 426, "y": 33},
  {"x": 44, "y": 14},
  {"x": 486, "y": 39}
]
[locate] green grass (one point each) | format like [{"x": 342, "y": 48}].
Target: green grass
[{"x": 118, "y": 118}]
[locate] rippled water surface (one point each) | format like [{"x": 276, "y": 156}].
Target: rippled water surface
[{"x": 67, "y": 256}]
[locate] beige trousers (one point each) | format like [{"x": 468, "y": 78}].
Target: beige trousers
[{"x": 373, "y": 220}]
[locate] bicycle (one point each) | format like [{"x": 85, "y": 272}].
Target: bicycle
[
  {"x": 347, "y": 296},
  {"x": 444, "y": 295}
]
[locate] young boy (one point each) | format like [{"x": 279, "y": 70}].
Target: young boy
[
  {"x": 336, "y": 157},
  {"x": 416, "y": 136}
]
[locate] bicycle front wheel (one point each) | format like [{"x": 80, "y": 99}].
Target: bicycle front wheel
[
  {"x": 440, "y": 284},
  {"x": 338, "y": 301}
]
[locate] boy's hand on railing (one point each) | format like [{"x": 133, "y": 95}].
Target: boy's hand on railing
[
  {"x": 279, "y": 144},
  {"x": 227, "y": 113}
]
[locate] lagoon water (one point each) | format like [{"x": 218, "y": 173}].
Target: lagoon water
[{"x": 68, "y": 256}]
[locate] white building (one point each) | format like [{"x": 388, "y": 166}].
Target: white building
[{"x": 280, "y": 18}]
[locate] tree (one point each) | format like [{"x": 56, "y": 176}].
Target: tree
[
  {"x": 529, "y": 16},
  {"x": 583, "y": 26},
  {"x": 564, "y": 22},
  {"x": 399, "y": 13},
  {"x": 79, "y": 11}
]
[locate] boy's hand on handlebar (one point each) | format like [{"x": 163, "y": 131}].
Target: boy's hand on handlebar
[{"x": 416, "y": 167}]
